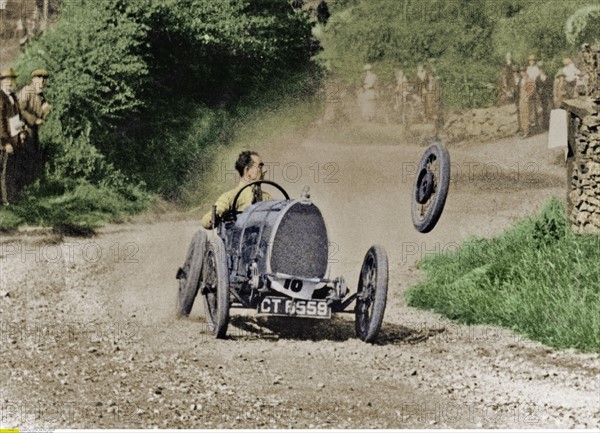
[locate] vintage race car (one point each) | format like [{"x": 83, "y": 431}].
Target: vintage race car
[{"x": 274, "y": 258}]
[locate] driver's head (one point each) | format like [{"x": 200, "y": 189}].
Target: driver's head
[{"x": 250, "y": 166}]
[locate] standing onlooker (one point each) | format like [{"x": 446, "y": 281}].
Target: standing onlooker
[
  {"x": 533, "y": 74},
  {"x": 516, "y": 82},
  {"x": 401, "y": 92},
  {"x": 506, "y": 82},
  {"x": 561, "y": 91},
  {"x": 571, "y": 76},
  {"x": 422, "y": 82},
  {"x": 545, "y": 93},
  {"x": 34, "y": 109},
  {"x": 526, "y": 94},
  {"x": 11, "y": 135},
  {"x": 368, "y": 103}
]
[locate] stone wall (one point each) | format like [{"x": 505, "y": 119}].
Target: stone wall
[
  {"x": 481, "y": 124},
  {"x": 584, "y": 165}
]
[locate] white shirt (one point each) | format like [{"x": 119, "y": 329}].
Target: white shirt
[
  {"x": 533, "y": 72},
  {"x": 571, "y": 72}
]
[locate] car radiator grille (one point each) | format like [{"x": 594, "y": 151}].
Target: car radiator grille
[{"x": 300, "y": 245}]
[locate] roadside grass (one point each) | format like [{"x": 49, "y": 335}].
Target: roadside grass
[
  {"x": 538, "y": 278},
  {"x": 77, "y": 208}
]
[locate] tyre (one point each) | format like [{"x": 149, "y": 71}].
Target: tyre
[
  {"x": 215, "y": 287},
  {"x": 431, "y": 188},
  {"x": 189, "y": 275},
  {"x": 371, "y": 294}
]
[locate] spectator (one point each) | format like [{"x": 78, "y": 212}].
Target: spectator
[
  {"x": 516, "y": 81},
  {"x": 571, "y": 76},
  {"x": 506, "y": 82},
  {"x": 368, "y": 97},
  {"x": 526, "y": 92},
  {"x": 34, "y": 109},
  {"x": 561, "y": 91},
  {"x": 401, "y": 92},
  {"x": 545, "y": 94},
  {"x": 11, "y": 136},
  {"x": 533, "y": 74}
]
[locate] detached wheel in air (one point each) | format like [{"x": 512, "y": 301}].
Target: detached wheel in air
[
  {"x": 371, "y": 294},
  {"x": 431, "y": 188},
  {"x": 215, "y": 287}
]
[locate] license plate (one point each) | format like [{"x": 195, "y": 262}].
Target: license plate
[{"x": 273, "y": 306}]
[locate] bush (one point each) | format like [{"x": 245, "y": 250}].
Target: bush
[
  {"x": 466, "y": 40},
  {"x": 584, "y": 26},
  {"x": 538, "y": 29},
  {"x": 140, "y": 88}
]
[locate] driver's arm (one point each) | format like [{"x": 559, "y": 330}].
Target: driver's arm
[{"x": 223, "y": 204}]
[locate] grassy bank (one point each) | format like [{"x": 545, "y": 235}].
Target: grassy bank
[{"x": 538, "y": 278}]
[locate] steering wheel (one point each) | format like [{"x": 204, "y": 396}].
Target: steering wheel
[{"x": 258, "y": 182}]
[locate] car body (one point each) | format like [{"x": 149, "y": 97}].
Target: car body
[{"x": 274, "y": 258}]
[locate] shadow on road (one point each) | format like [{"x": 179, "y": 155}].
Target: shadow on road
[{"x": 336, "y": 329}]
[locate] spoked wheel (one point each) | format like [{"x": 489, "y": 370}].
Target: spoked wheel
[
  {"x": 431, "y": 188},
  {"x": 189, "y": 275},
  {"x": 215, "y": 287},
  {"x": 372, "y": 294}
]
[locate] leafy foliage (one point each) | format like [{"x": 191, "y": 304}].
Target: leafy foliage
[
  {"x": 139, "y": 88},
  {"x": 464, "y": 40},
  {"x": 584, "y": 25},
  {"x": 539, "y": 28}
]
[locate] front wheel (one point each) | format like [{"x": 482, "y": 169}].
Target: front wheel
[
  {"x": 215, "y": 287},
  {"x": 371, "y": 294}
]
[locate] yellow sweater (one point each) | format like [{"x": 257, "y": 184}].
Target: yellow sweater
[{"x": 225, "y": 202}]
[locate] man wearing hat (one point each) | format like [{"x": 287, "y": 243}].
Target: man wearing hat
[
  {"x": 35, "y": 110},
  {"x": 12, "y": 134},
  {"x": 571, "y": 76}
]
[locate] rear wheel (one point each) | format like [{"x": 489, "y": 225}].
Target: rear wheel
[
  {"x": 189, "y": 275},
  {"x": 371, "y": 294},
  {"x": 215, "y": 287}
]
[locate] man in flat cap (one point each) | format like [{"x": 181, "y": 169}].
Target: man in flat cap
[
  {"x": 12, "y": 134},
  {"x": 34, "y": 109}
]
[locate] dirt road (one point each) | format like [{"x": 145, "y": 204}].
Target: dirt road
[{"x": 89, "y": 337}]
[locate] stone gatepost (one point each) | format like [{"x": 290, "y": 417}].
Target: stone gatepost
[{"x": 583, "y": 163}]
